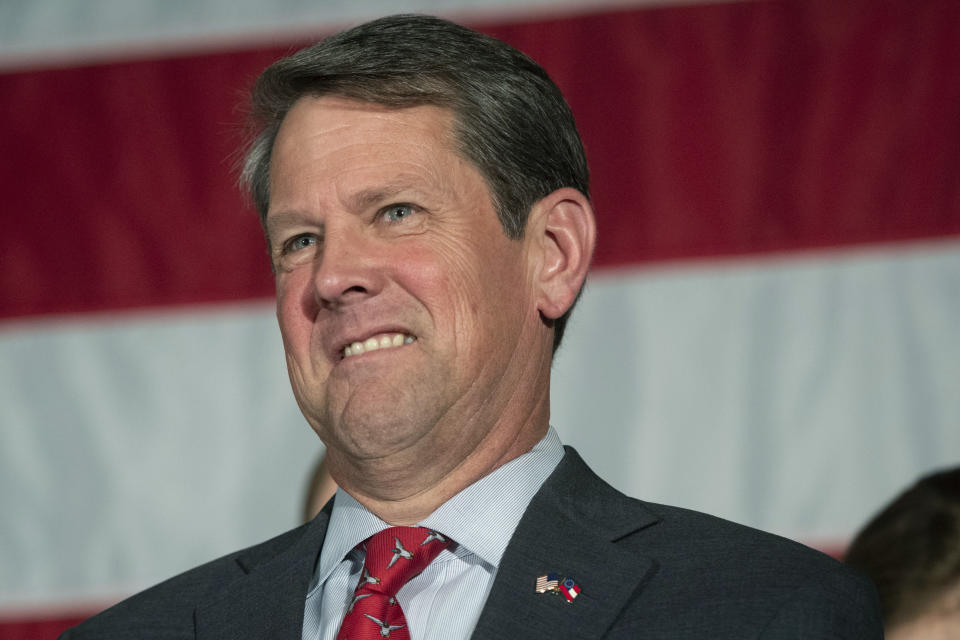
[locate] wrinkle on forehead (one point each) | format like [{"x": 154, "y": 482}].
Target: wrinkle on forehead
[
  {"x": 337, "y": 115},
  {"x": 332, "y": 142}
]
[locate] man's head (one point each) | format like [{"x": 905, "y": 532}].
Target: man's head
[
  {"x": 510, "y": 120},
  {"x": 425, "y": 238},
  {"x": 911, "y": 550}
]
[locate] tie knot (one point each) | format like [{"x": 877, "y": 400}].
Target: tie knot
[{"x": 396, "y": 555}]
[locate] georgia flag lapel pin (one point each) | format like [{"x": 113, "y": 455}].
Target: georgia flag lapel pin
[{"x": 569, "y": 589}]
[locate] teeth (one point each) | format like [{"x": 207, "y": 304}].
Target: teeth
[{"x": 384, "y": 341}]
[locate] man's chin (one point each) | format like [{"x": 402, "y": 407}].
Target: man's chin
[{"x": 373, "y": 433}]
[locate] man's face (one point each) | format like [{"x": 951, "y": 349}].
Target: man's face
[{"x": 383, "y": 236}]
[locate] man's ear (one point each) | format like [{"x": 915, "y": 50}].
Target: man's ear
[{"x": 562, "y": 231}]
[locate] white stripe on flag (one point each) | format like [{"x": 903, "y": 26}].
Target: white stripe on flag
[
  {"x": 795, "y": 395},
  {"x": 34, "y": 31},
  {"x": 135, "y": 447}
]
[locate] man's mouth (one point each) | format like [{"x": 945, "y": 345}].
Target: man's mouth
[{"x": 379, "y": 341}]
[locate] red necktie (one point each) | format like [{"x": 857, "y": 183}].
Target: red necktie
[{"x": 394, "y": 556}]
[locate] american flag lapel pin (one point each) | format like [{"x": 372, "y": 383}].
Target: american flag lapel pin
[
  {"x": 557, "y": 585},
  {"x": 548, "y": 583}
]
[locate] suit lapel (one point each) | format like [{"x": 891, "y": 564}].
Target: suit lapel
[
  {"x": 570, "y": 528},
  {"x": 268, "y": 601}
]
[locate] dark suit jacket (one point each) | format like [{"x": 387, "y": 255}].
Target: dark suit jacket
[{"x": 645, "y": 570}]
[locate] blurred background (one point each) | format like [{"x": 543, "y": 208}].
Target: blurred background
[{"x": 771, "y": 332}]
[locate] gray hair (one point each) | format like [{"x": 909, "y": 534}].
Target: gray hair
[{"x": 510, "y": 120}]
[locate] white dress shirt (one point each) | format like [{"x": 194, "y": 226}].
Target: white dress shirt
[{"x": 444, "y": 602}]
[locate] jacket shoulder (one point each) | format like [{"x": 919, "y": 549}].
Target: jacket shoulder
[
  {"x": 700, "y": 576},
  {"x": 750, "y": 580},
  {"x": 167, "y": 609}
]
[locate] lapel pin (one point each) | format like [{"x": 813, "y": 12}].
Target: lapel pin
[
  {"x": 549, "y": 582},
  {"x": 557, "y": 585},
  {"x": 569, "y": 589}
]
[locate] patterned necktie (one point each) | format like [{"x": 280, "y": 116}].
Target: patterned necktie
[{"x": 394, "y": 556}]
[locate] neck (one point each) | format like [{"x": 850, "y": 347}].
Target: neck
[{"x": 406, "y": 493}]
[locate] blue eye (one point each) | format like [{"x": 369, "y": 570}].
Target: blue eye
[
  {"x": 397, "y": 212},
  {"x": 300, "y": 242}
]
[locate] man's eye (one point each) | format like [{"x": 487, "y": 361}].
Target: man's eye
[
  {"x": 397, "y": 212},
  {"x": 300, "y": 242}
]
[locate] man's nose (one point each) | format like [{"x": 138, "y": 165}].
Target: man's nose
[{"x": 349, "y": 270}]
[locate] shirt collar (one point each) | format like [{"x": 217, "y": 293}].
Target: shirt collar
[{"x": 481, "y": 518}]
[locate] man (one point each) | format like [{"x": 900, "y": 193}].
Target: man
[{"x": 424, "y": 195}]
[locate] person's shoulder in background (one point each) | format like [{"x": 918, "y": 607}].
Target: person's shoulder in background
[{"x": 911, "y": 550}]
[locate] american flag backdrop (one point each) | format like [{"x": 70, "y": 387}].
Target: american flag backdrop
[{"x": 771, "y": 332}]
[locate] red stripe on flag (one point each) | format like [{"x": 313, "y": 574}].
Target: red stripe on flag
[
  {"x": 119, "y": 188},
  {"x": 762, "y": 127},
  {"x": 731, "y": 129},
  {"x": 37, "y": 629}
]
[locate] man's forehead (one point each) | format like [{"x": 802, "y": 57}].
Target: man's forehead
[
  {"x": 329, "y": 114},
  {"x": 330, "y": 130},
  {"x": 366, "y": 151}
]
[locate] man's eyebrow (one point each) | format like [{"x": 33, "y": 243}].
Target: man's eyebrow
[
  {"x": 283, "y": 219},
  {"x": 357, "y": 202}
]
